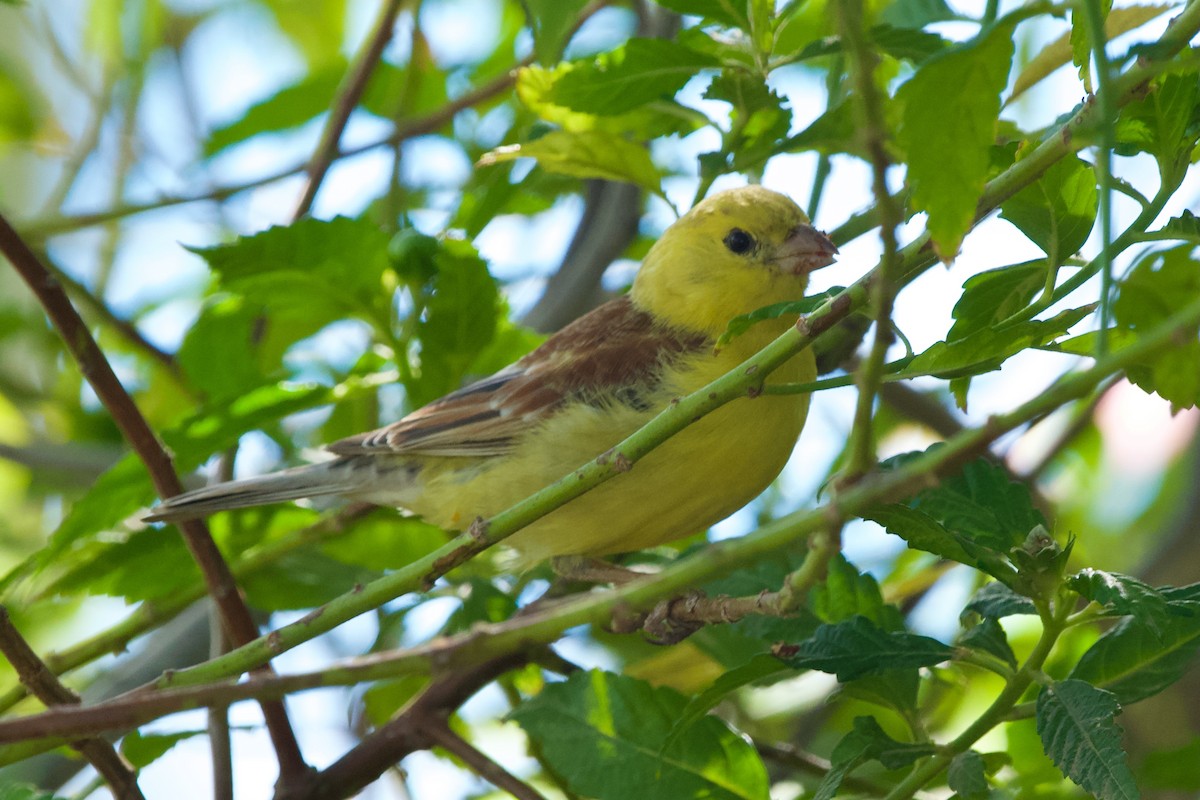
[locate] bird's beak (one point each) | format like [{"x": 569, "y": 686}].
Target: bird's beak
[{"x": 806, "y": 249}]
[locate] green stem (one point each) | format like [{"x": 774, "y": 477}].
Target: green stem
[
  {"x": 1052, "y": 627},
  {"x": 1094, "y": 19}
]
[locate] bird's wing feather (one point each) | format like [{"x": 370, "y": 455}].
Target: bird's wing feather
[{"x": 615, "y": 354}]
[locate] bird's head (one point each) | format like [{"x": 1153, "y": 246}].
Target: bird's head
[{"x": 737, "y": 251}]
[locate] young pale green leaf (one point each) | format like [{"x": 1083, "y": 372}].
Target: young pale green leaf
[
  {"x": 1134, "y": 662},
  {"x": 1159, "y": 284},
  {"x": 995, "y": 600},
  {"x": 1058, "y": 210},
  {"x": 586, "y": 154},
  {"x": 967, "y": 776},
  {"x": 302, "y": 579},
  {"x": 740, "y": 324},
  {"x": 858, "y": 647},
  {"x": 1122, "y": 594},
  {"x": 994, "y": 295},
  {"x": 948, "y": 122},
  {"x": 1077, "y": 725},
  {"x": 989, "y": 637},
  {"x": 603, "y": 733},
  {"x": 551, "y": 21},
  {"x": 987, "y": 348},
  {"x": 867, "y": 742},
  {"x": 636, "y": 73}
]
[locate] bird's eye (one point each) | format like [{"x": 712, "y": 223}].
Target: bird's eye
[{"x": 738, "y": 241}]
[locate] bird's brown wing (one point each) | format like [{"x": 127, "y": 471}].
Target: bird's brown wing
[{"x": 615, "y": 354}]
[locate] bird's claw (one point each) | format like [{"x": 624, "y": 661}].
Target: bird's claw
[{"x": 672, "y": 620}]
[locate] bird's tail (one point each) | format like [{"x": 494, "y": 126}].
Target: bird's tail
[{"x": 314, "y": 480}]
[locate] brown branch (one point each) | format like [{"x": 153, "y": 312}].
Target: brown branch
[
  {"x": 115, "y": 770},
  {"x": 348, "y": 94},
  {"x": 406, "y": 733},
  {"x": 437, "y": 732},
  {"x": 98, "y": 372}
]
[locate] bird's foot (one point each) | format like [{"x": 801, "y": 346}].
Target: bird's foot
[{"x": 669, "y": 622}]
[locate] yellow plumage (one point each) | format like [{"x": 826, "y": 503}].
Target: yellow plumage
[{"x": 489, "y": 445}]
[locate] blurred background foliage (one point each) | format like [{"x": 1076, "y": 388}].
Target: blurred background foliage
[{"x": 504, "y": 169}]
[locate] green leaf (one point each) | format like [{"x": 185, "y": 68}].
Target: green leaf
[
  {"x": 1081, "y": 41},
  {"x": 18, "y": 122},
  {"x": 994, "y": 295},
  {"x": 967, "y": 776},
  {"x": 919, "y": 530},
  {"x": 662, "y": 117},
  {"x": 1186, "y": 226},
  {"x": 603, "y": 733},
  {"x": 915, "y": 13},
  {"x": 1077, "y": 725},
  {"x": 760, "y": 667},
  {"x": 20, "y": 791},
  {"x": 987, "y": 348},
  {"x": 948, "y": 122},
  {"x": 867, "y": 742},
  {"x": 384, "y": 540},
  {"x": 995, "y": 600},
  {"x": 288, "y": 108},
  {"x": 552, "y": 22},
  {"x": 1177, "y": 769},
  {"x": 459, "y": 321},
  {"x": 1134, "y": 662},
  {"x": 302, "y": 579},
  {"x": 143, "y": 749},
  {"x": 759, "y": 121},
  {"x": 587, "y": 154},
  {"x": 1158, "y": 285},
  {"x": 632, "y": 75},
  {"x": 832, "y": 132},
  {"x": 1058, "y": 210},
  {"x": 846, "y": 593},
  {"x": 722, "y": 12},
  {"x": 1122, "y": 594},
  {"x": 908, "y": 44},
  {"x": 742, "y": 323},
  {"x": 1165, "y": 123},
  {"x": 857, "y": 647},
  {"x": 983, "y": 505},
  {"x": 989, "y": 637}
]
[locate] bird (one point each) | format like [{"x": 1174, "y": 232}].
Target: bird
[{"x": 488, "y": 445}]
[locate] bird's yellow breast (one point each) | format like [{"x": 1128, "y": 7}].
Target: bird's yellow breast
[{"x": 701, "y": 475}]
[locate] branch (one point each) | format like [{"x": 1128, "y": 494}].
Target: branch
[
  {"x": 129, "y": 420},
  {"x": 438, "y": 733},
  {"x": 348, "y": 94},
  {"x": 487, "y": 644},
  {"x": 116, "y": 771}
]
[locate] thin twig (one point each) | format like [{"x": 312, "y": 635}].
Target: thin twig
[
  {"x": 418, "y": 127},
  {"x": 348, "y": 94},
  {"x": 133, "y": 426},
  {"x": 116, "y": 771},
  {"x": 869, "y": 110}
]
